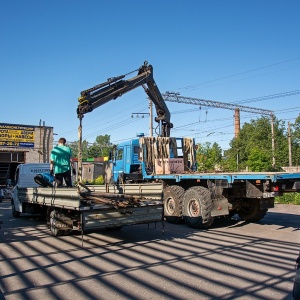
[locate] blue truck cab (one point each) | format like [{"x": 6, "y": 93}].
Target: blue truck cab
[{"x": 125, "y": 161}]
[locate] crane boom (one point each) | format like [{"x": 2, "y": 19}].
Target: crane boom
[{"x": 117, "y": 86}]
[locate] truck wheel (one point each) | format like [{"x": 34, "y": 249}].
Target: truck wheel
[
  {"x": 173, "y": 196},
  {"x": 54, "y": 231},
  {"x": 197, "y": 206},
  {"x": 15, "y": 214},
  {"x": 251, "y": 212}
]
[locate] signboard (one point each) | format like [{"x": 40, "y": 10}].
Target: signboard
[{"x": 16, "y": 135}]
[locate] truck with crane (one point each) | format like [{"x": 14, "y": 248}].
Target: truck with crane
[{"x": 190, "y": 196}]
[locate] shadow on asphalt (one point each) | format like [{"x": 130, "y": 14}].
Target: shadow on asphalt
[{"x": 159, "y": 261}]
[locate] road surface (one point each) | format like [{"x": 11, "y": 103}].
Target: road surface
[{"x": 232, "y": 260}]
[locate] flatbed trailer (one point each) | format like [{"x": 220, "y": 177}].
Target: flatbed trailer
[{"x": 231, "y": 177}]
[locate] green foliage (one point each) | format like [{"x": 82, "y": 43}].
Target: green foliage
[
  {"x": 295, "y": 130},
  {"x": 259, "y": 160},
  {"x": 290, "y": 198},
  {"x": 100, "y": 147},
  {"x": 98, "y": 181},
  {"x": 295, "y": 138},
  {"x": 209, "y": 157},
  {"x": 252, "y": 149},
  {"x": 74, "y": 149}
]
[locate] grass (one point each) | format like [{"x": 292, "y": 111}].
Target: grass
[{"x": 291, "y": 198}]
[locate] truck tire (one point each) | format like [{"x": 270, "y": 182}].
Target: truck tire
[
  {"x": 54, "y": 230},
  {"x": 197, "y": 207},
  {"x": 251, "y": 212},
  {"x": 173, "y": 197},
  {"x": 15, "y": 214}
]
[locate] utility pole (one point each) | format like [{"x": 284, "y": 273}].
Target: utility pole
[
  {"x": 151, "y": 118},
  {"x": 273, "y": 140},
  {"x": 290, "y": 145}
]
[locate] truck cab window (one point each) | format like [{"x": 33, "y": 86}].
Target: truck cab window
[{"x": 120, "y": 154}]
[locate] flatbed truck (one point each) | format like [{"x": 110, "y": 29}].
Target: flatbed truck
[
  {"x": 190, "y": 196},
  {"x": 84, "y": 208},
  {"x": 197, "y": 198}
]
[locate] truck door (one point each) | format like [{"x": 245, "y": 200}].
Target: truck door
[
  {"x": 15, "y": 196},
  {"x": 127, "y": 159},
  {"x": 119, "y": 163}
]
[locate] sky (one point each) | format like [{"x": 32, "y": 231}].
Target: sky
[{"x": 227, "y": 51}]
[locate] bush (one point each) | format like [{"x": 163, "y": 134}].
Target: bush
[
  {"x": 290, "y": 198},
  {"x": 98, "y": 181}
]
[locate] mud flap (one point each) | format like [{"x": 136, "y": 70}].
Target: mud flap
[
  {"x": 266, "y": 203},
  {"x": 220, "y": 207}
]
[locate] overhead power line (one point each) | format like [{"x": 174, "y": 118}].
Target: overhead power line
[
  {"x": 237, "y": 74},
  {"x": 268, "y": 97}
]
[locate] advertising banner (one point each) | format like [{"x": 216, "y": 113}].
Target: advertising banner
[{"x": 12, "y": 135}]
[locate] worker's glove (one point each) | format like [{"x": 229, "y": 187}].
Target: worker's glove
[
  {"x": 51, "y": 172},
  {"x": 74, "y": 171}
]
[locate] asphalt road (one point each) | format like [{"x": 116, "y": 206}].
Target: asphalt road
[{"x": 232, "y": 260}]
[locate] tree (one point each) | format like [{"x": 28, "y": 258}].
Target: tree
[
  {"x": 100, "y": 147},
  {"x": 259, "y": 160},
  {"x": 252, "y": 149},
  {"x": 209, "y": 156},
  {"x": 74, "y": 149},
  {"x": 295, "y": 138}
]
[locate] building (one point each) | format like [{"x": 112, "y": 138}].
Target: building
[
  {"x": 91, "y": 170},
  {"x": 23, "y": 144}
]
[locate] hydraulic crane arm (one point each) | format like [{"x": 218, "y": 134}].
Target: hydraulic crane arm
[{"x": 117, "y": 86}]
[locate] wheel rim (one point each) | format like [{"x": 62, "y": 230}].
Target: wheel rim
[
  {"x": 52, "y": 225},
  {"x": 170, "y": 207},
  {"x": 194, "y": 208}
]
